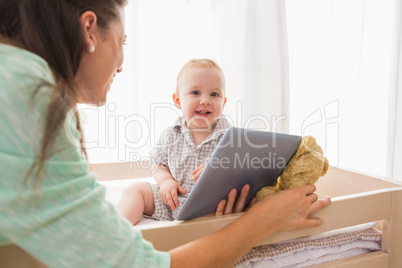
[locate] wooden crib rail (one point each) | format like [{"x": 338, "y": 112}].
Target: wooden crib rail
[{"x": 342, "y": 212}]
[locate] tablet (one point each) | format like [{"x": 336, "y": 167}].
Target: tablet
[{"x": 242, "y": 157}]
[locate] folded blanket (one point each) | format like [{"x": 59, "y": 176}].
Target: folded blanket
[
  {"x": 311, "y": 250},
  {"x": 279, "y": 262}
]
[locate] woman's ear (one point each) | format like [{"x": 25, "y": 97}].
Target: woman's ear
[
  {"x": 176, "y": 100},
  {"x": 89, "y": 29}
]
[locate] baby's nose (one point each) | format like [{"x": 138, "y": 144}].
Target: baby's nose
[{"x": 205, "y": 100}]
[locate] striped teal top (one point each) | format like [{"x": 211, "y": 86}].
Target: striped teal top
[{"x": 65, "y": 222}]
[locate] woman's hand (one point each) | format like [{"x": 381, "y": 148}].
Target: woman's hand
[
  {"x": 291, "y": 209},
  {"x": 232, "y": 205}
]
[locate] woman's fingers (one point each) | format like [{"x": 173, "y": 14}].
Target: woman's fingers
[
  {"x": 241, "y": 200},
  {"x": 220, "y": 208},
  {"x": 313, "y": 222},
  {"x": 252, "y": 203},
  {"x": 316, "y": 205},
  {"x": 309, "y": 189},
  {"x": 319, "y": 204},
  {"x": 233, "y": 205},
  {"x": 231, "y": 201},
  {"x": 312, "y": 197}
]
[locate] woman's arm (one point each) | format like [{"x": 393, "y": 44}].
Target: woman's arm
[{"x": 284, "y": 211}]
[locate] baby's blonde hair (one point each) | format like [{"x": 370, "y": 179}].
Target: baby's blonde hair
[{"x": 200, "y": 63}]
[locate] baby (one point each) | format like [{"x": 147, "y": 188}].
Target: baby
[{"x": 184, "y": 147}]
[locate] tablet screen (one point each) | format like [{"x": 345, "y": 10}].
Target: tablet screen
[{"x": 242, "y": 157}]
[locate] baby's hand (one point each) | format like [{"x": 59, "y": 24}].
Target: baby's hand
[
  {"x": 197, "y": 172},
  {"x": 168, "y": 192}
]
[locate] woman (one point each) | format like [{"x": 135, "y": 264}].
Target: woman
[{"x": 53, "y": 55}]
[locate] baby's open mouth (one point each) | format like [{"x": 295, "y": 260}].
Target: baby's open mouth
[{"x": 202, "y": 112}]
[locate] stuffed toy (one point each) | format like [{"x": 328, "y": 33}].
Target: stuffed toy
[{"x": 306, "y": 166}]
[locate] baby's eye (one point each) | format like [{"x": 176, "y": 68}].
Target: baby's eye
[
  {"x": 195, "y": 92},
  {"x": 214, "y": 94}
]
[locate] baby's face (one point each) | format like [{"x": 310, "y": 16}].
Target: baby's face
[{"x": 201, "y": 97}]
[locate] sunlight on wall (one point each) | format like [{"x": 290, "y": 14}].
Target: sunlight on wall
[{"x": 339, "y": 53}]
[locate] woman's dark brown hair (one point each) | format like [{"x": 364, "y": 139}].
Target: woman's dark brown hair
[{"x": 52, "y": 30}]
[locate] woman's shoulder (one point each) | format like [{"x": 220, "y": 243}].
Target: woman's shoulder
[
  {"x": 25, "y": 90},
  {"x": 17, "y": 63},
  {"x": 26, "y": 81}
]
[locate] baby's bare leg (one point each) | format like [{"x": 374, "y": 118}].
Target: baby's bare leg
[{"x": 137, "y": 199}]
